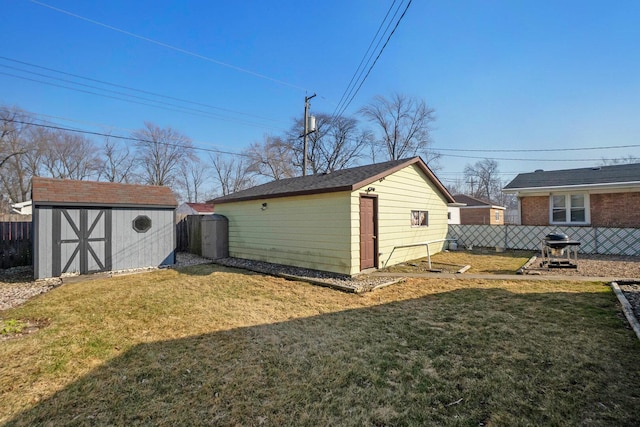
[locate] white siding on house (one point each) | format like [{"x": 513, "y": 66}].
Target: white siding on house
[{"x": 454, "y": 215}]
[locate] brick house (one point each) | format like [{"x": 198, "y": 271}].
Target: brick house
[
  {"x": 477, "y": 211},
  {"x": 606, "y": 196}
]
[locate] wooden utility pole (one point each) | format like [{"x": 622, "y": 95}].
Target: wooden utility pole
[{"x": 306, "y": 133}]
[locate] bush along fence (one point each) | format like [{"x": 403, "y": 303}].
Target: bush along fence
[
  {"x": 16, "y": 245},
  {"x": 593, "y": 240}
]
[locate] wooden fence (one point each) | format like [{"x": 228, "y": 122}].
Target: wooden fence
[
  {"x": 189, "y": 234},
  {"x": 16, "y": 244}
]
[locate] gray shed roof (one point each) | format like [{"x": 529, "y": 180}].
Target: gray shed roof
[
  {"x": 616, "y": 174},
  {"x": 341, "y": 180}
]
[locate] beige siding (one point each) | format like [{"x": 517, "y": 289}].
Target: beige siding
[
  {"x": 306, "y": 231},
  {"x": 398, "y": 194}
]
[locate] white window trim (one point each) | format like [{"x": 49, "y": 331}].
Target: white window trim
[
  {"x": 587, "y": 209},
  {"x": 426, "y": 212}
]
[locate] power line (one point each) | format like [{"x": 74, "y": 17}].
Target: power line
[
  {"x": 211, "y": 150},
  {"x": 180, "y": 109},
  {"x": 168, "y": 46},
  {"x": 132, "y": 88},
  {"x": 344, "y": 108},
  {"x": 128, "y": 138},
  {"x": 103, "y": 125},
  {"x": 525, "y": 160},
  {"x": 360, "y": 68},
  {"x": 527, "y": 150}
]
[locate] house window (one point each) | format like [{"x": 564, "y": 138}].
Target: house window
[
  {"x": 569, "y": 209},
  {"x": 419, "y": 218},
  {"x": 497, "y": 216},
  {"x": 448, "y": 215}
]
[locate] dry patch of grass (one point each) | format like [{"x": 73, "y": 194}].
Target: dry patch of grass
[
  {"x": 206, "y": 345},
  {"x": 481, "y": 261}
]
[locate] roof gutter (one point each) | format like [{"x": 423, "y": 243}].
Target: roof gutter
[{"x": 603, "y": 186}]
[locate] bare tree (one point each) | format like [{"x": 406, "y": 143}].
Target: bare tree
[
  {"x": 232, "y": 174},
  {"x": 621, "y": 160},
  {"x": 69, "y": 156},
  {"x": 20, "y": 153},
  {"x": 272, "y": 158},
  {"x": 457, "y": 186},
  {"x": 336, "y": 144},
  {"x": 403, "y": 125},
  {"x": 193, "y": 175},
  {"x": 161, "y": 152},
  {"x": 342, "y": 144},
  {"x": 118, "y": 165},
  {"x": 484, "y": 179}
]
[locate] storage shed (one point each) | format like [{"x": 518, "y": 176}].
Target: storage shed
[
  {"x": 87, "y": 227},
  {"x": 345, "y": 221}
]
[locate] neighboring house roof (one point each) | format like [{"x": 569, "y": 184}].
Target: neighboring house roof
[
  {"x": 604, "y": 176},
  {"x": 201, "y": 207},
  {"x": 69, "y": 192},
  {"x": 22, "y": 208},
  {"x": 341, "y": 180},
  {"x": 472, "y": 202}
]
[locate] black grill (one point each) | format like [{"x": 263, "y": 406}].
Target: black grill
[{"x": 557, "y": 251}]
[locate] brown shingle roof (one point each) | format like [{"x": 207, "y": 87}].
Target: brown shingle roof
[
  {"x": 69, "y": 192},
  {"x": 340, "y": 180},
  {"x": 201, "y": 207}
]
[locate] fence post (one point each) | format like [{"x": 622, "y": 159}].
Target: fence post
[{"x": 506, "y": 236}]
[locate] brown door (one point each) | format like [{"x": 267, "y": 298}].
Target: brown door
[{"x": 367, "y": 233}]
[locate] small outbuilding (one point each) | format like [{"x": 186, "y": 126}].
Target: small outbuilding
[
  {"x": 479, "y": 212},
  {"x": 88, "y": 227},
  {"x": 345, "y": 221}
]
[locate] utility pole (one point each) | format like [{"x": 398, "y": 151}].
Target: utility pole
[{"x": 307, "y": 131}]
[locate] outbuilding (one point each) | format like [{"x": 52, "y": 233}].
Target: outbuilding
[
  {"x": 88, "y": 227},
  {"x": 474, "y": 211},
  {"x": 345, "y": 221}
]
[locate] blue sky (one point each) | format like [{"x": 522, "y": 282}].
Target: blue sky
[{"x": 503, "y": 75}]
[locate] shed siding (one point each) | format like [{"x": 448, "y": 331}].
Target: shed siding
[
  {"x": 129, "y": 248},
  {"x": 44, "y": 241},
  {"x": 306, "y": 231},
  {"x": 398, "y": 194},
  {"x": 151, "y": 249}
]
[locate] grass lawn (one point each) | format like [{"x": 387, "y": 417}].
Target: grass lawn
[
  {"x": 210, "y": 346},
  {"x": 481, "y": 260}
]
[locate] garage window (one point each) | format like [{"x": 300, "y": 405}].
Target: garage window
[
  {"x": 419, "y": 218},
  {"x": 142, "y": 224}
]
